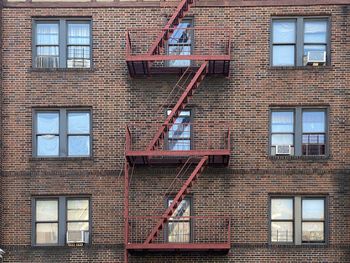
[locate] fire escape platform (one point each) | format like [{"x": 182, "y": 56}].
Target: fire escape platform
[
  {"x": 169, "y": 157},
  {"x": 224, "y": 247},
  {"x": 140, "y": 65}
]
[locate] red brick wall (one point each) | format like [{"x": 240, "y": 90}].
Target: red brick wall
[{"x": 240, "y": 191}]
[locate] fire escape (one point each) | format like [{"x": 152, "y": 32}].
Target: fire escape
[{"x": 148, "y": 54}]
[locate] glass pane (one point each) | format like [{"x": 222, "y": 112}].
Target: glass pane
[
  {"x": 78, "y": 210},
  {"x": 179, "y": 145},
  {"x": 78, "y": 229},
  {"x": 313, "y": 138},
  {"x": 46, "y": 210},
  {"x": 183, "y": 113},
  {"x": 315, "y": 32},
  {"x": 282, "y": 121},
  {"x": 47, "y": 51},
  {"x": 282, "y": 139},
  {"x": 182, "y": 35},
  {"x": 184, "y": 209},
  {"x": 180, "y": 131},
  {"x": 47, "y": 123},
  {"x": 46, "y": 233},
  {"x": 281, "y": 231},
  {"x": 78, "y": 145},
  {"x": 313, "y": 209},
  {"x": 282, "y": 208},
  {"x": 314, "y": 121},
  {"x": 284, "y": 31},
  {"x": 47, "y": 34},
  {"x": 78, "y": 122},
  {"x": 78, "y": 34},
  {"x": 308, "y": 48},
  {"x": 179, "y": 232},
  {"x": 313, "y": 149},
  {"x": 179, "y": 50},
  {"x": 283, "y": 55},
  {"x": 47, "y": 145},
  {"x": 78, "y": 57},
  {"x": 313, "y": 231}
]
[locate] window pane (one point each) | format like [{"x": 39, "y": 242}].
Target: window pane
[
  {"x": 179, "y": 50},
  {"x": 78, "y": 145},
  {"x": 308, "y": 48},
  {"x": 313, "y": 209},
  {"x": 313, "y": 231},
  {"x": 314, "y": 121},
  {"x": 78, "y": 57},
  {"x": 281, "y": 231},
  {"x": 46, "y": 210},
  {"x": 182, "y": 35},
  {"x": 284, "y": 31},
  {"x": 180, "y": 131},
  {"x": 46, "y": 233},
  {"x": 282, "y": 208},
  {"x": 47, "y": 123},
  {"x": 315, "y": 32},
  {"x": 78, "y": 210},
  {"x": 78, "y": 122},
  {"x": 47, "y": 34},
  {"x": 47, "y": 145},
  {"x": 179, "y": 232},
  {"x": 282, "y": 139},
  {"x": 179, "y": 145},
  {"x": 184, "y": 209},
  {"x": 78, "y": 34},
  {"x": 282, "y": 121},
  {"x": 283, "y": 55},
  {"x": 313, "y": 138},
  {"x": 78, "y": 229}
]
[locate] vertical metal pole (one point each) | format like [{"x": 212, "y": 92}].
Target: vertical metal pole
[{"x": 126, "y": 209}]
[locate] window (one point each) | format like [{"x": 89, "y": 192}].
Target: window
[
  {"x": 62, "y": 132},
  {"x": 179, "y": 225},
  {"x": 304, "y": 130},
  {"x": 62, "y": 43},
  {"x": 179, "y": 135},
  {"x": 297, "y": 220},
  {"x": 293, "y": 38},
  {"x": 282, "y": 220},
  {"x": 56, "y": 217},
  {"x": 180, "y": 43}
]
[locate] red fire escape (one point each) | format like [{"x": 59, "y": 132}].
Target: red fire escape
[{"x": 148, "y": 54}]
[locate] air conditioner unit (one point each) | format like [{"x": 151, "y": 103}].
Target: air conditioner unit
[
  {"x": 316, "y": 57},
  {"x": 77, "y": 237},
  {"x": 283, "y": 149}
]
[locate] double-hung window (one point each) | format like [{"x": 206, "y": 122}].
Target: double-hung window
[
  {"x": 293, "y": 38},
  {"x": 298, "y": 219},
  {"x": 62, "y": 132},
  {"x": 62, "y": 43},
  {"x": 302, "y": 130},
  {"x": 179, "y": 225},
  {"x": 179, "y": 135},
  {"x": 61, "y": 220},
  {"x": 180, "y": 43}
]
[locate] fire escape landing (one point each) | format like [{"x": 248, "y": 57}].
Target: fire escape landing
[{"x": 190, "y": 145}]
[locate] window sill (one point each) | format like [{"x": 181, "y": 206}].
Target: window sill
[
  {"x": 303, "y": 245},
  {"x": 61, "y": 69},
  {"x": 315, "y": 68},
  {"x": 290, "y": 157},
  {"x": 33, "y": 159}
]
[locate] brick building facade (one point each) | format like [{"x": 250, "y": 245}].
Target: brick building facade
[{"x": 244, "y": 189}]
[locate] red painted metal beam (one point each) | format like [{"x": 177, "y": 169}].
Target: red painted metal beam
[
  {"x": 165, "y": 153},
  {"x": 180, "y": 246},
  {"x": 140, "y": 58}
]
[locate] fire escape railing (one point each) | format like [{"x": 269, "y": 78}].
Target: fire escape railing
[
  {"x": 205, "y": 42},
  {"x": 197, "y": 230}
]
